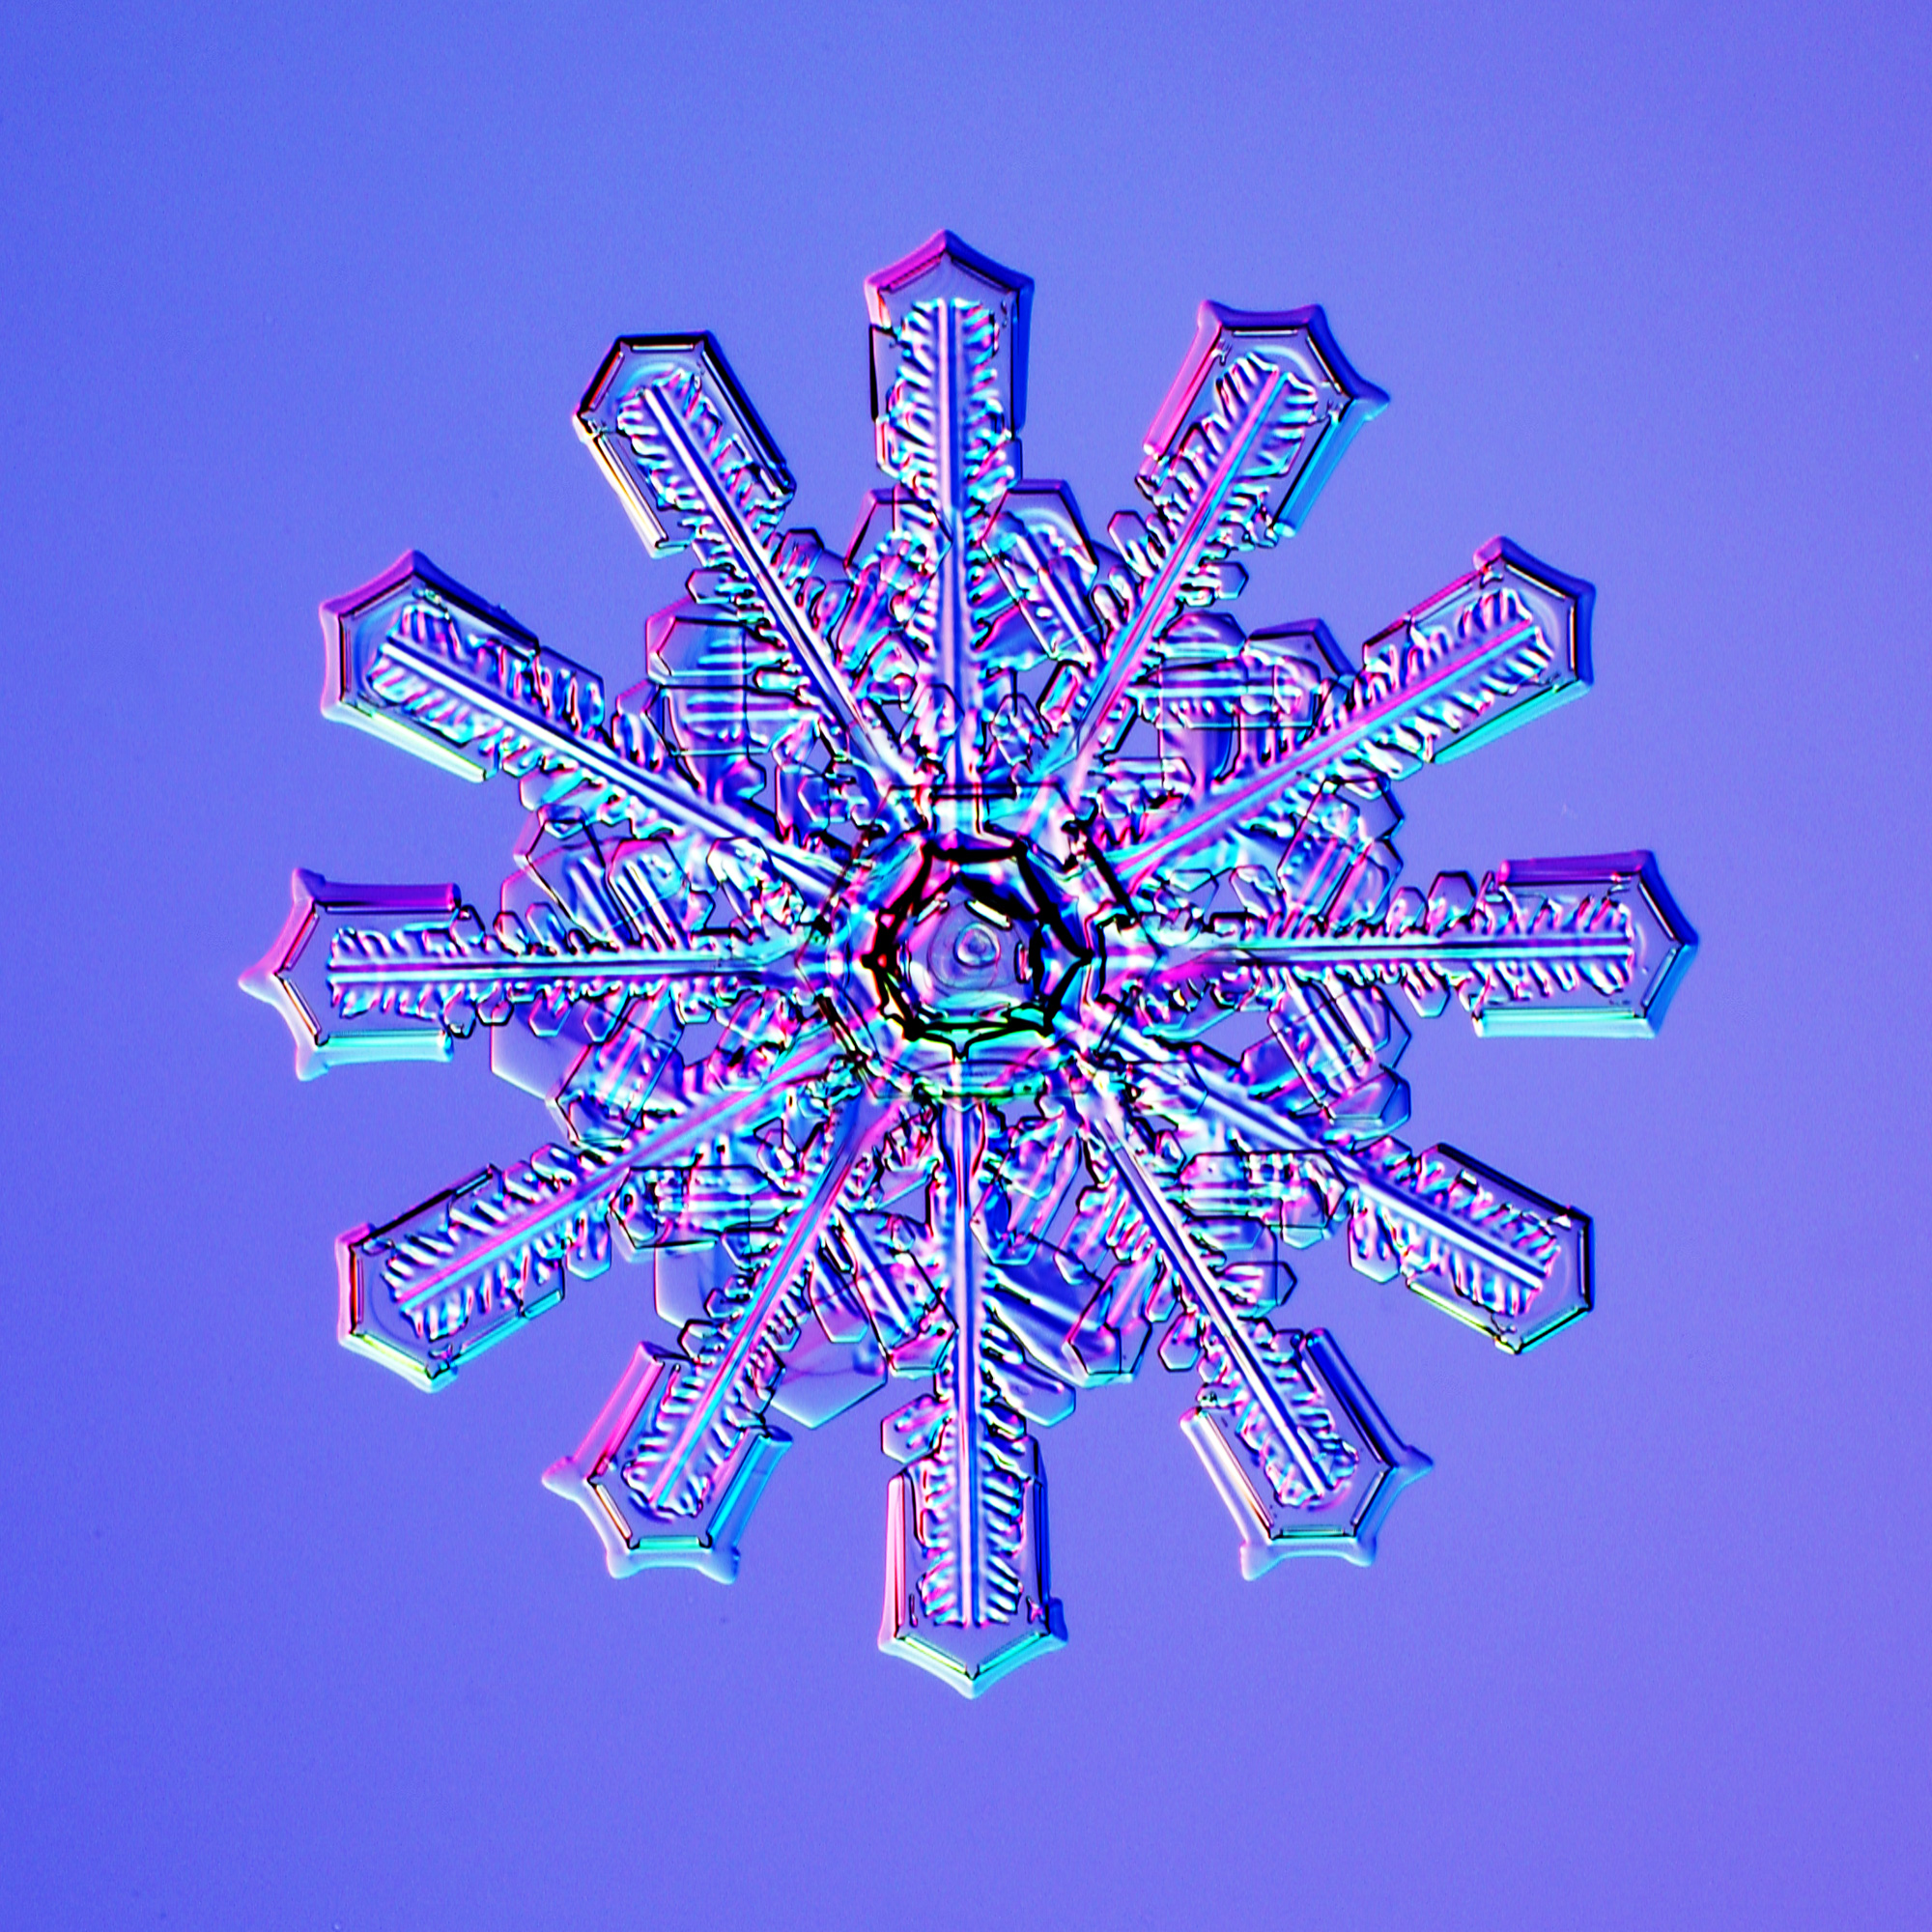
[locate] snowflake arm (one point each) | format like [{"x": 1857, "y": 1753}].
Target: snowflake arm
[
  {"x": 1496, "y": 648},
  {"x": 1262, "y": 411},
  {"x": 967, "y": 1595},
  {"x": 949, "y": 332},
  {"x": 427, "y": 664},
  {"x": 1485, "y": 1249},
  {"x": 686, "y": 452},
  {"x": 1300, "y": 1455},
  {"x": 426, "y": 1292},
  {"x": 1582, "y": 947},
  {"x": 672, "y": 1467},
  {"x": 367, "y": 972}
]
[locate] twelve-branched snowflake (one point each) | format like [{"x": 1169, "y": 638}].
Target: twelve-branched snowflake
[{"x": 965, "y": 958}]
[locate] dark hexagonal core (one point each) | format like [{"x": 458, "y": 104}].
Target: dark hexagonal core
[{"x": 974, "y": 947}]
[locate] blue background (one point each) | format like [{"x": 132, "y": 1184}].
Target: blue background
[{"x": 285, "y": 1644}]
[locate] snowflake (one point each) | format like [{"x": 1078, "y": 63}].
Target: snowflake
[{"x": 966, "y": 958}]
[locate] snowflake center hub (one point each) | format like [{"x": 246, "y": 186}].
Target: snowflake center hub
[
  {"x": 973, "y": 946},
  {"x": 939, "y": 950},
  {"x": 963, "y": 962}
]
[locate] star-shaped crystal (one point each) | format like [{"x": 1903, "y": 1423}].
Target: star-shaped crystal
[{"x": 965, "y": 958}]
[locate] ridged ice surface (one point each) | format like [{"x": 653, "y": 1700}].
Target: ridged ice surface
[{"x": 966, "y": 959}]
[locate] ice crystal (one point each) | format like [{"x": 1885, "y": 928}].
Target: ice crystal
[{"x": 966, "y": 957}]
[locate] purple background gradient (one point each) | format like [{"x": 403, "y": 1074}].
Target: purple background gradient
[{"x": 285, "y": 1644}]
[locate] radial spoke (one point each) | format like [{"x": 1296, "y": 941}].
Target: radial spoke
[{"x": 864, "y": 1122}]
